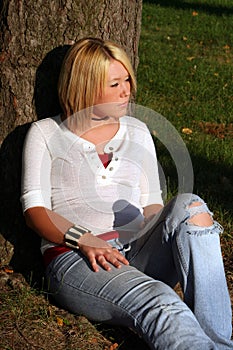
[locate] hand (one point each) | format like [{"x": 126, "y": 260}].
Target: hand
[{"x": 100, "y": 252}]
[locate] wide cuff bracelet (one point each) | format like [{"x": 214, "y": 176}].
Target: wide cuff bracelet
[{"x": 73, "y": 235}]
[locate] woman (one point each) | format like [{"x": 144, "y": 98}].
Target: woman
[{"x": 91, "y": 190}]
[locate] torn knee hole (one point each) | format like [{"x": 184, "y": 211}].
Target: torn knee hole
[
  {"x": 203, "y": 219},
  {"x": 199, "y": 214}
]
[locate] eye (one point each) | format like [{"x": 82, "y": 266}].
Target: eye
[
  {"x": 114, "y": 85},
  {"x": 127, "y": 79}
]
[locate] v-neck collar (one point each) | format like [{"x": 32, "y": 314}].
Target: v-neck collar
[{"x": 87, "y": 146}]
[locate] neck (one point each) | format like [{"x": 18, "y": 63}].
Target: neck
[{"x": 100, "y": 119}]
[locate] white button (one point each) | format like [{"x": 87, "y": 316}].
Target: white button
[
  {"x": 104, "y": 177},
  {"x": 87, "y": 147},
  {"x": 111, "y": 148},
  {"x": 116, "y": 159},
  {"x": 111, "y": 168}
]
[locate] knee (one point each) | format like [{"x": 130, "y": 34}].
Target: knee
[{"x": 198, "y": 213}]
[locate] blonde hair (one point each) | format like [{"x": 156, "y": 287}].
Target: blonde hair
[{"x": 83, "y": 76}]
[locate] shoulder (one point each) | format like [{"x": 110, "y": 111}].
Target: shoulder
[
  {"x": 134, "y": 123},
  {"x": 47, "y": 123},
  {"x": 45, "y": 127},
  {"x": 135, "y": 126}
]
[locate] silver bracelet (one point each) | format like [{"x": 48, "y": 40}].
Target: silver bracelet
[{"x": 73, "y": 235}]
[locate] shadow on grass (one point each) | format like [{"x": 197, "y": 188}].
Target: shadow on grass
[
  {"x": 124, "y": 337},
  {"x": 197, "y": 5},
  {"x": 213, "y": 181}
]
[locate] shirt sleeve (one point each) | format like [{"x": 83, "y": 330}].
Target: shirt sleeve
[
  {"x": 36, "y": 170},
  {"x": 150, "y": 183}
]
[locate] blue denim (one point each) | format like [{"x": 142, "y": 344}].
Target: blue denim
[{"x": 141, "y": 295}]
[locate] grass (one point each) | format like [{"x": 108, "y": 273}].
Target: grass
[
  {"x": 29, "y": 321},
  {"x": 185, "y": 74}
]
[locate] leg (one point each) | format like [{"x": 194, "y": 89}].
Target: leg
[
  {"x": 129, "y": 298},
  {"x": 184, "y": 244}
]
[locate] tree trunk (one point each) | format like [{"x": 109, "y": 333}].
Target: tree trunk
[
  {"x": 34, "y": 37},
  {"x": 31, "y": 29}
]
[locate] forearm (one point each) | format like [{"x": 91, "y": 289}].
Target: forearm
[
  {"x": 53, "y": 227},
  {"x": 48, "y": 224},
  {"x": 151, "y": 210}
]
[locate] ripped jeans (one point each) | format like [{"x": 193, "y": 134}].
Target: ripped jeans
[{"x": 141, "y": 296}]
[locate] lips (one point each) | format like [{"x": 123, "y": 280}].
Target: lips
[{"x": 123, "y": 105}]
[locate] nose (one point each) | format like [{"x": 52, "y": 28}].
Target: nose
[{"x": 125, "y": 91}]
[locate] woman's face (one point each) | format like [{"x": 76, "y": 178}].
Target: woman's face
[{"x": 115, "y": 98}]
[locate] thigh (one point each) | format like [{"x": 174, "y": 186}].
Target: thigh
[
  {"x": 153, "y": 256},
  {"x": 105, "y": 296}
]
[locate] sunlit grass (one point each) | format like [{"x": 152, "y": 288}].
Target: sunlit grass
[{"x": 186, "y": 74}]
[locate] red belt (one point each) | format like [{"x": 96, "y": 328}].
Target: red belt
[
  {"x": 107, "y": 236},
  {"x": 53, "y": 252}
]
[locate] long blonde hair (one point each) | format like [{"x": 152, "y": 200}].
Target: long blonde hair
[{"x": 83, "y": 76}]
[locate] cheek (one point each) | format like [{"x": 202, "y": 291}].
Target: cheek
[{"x": 108, "y": 97}]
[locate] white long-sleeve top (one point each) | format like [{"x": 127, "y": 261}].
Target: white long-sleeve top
[{"x": 63, "y": 172}]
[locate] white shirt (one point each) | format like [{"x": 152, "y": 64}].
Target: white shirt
[{"x": 63, "y": 172}]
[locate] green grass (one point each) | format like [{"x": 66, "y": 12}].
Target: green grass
[{"x": 186, "y": 74}]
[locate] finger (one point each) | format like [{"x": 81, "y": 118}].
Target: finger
[
  {"x": 102, "y": 261},
  {"x": 116, "y": 258},
  {"x": 93, "y": 262},
  {"x": 114, "y": 261},
  {"x": 120, "y": 257}
]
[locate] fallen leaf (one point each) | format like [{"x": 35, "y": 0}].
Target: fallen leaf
[
  {"x": 7, "y": 269},
  {"x": 186, "y": 131},
  {"x": 194, "y": 13},
  {"x": 60, "y": 321},
  {"x": 93, "y": 340},
  {"x": 190, "y": 58}
]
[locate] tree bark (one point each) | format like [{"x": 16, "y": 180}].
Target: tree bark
[
  {"x": 33, "y": 40},
  {"x": 31, "y": 29}
]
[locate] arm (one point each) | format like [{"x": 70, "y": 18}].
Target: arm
[
  {"x": 47, "y": 224},
  {"x": 150, "y": 185},
  {"x": 151, "y": 210},
  {"x": 151, "y": 198},
  {"x": 53, "y": 227}
]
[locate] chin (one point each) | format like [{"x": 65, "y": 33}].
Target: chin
[
  {"x": 112, "y": 110},
  {"x": 121, "y": 113}
]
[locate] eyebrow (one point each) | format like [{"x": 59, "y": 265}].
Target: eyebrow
[{"x": 116, "y": 78}]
